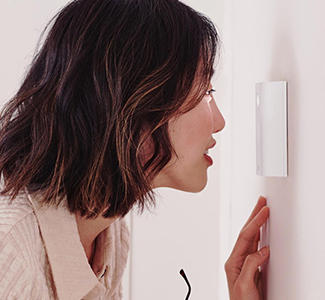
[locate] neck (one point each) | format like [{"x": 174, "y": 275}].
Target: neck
[{"x": 89, "y": 229}]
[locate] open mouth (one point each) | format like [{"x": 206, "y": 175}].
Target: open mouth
[{"x": 208, "y": 158}]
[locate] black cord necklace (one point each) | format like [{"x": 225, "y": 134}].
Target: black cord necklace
[{"x": 187, "y": 282}]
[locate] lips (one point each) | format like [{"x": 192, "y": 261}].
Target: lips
[
  {"x": 207, "y": 151},
  {"x": 207, "y": 157}
]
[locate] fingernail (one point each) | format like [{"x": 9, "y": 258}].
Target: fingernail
[{"x": 264, "y": 251}]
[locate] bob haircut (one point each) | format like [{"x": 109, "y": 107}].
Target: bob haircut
[{"x": 109, "y": 76}]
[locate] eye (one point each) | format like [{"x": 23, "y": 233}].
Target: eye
[{"x": 209, "y": 93}]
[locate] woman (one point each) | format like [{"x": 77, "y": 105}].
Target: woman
[{"x": 117, "y": 102}]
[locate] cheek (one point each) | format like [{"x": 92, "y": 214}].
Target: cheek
[
  {"x": 192, "y": 131},
  {"x": 198, "y": 127},
  {"x": 191, "y": 136}
]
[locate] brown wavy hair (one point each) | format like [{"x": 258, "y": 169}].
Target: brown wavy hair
[{"x": 108, "y": 77}]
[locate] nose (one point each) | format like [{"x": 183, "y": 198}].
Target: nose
[{"x": 218, "y": 119}]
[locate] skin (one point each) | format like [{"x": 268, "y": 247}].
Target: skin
[
  {"x": 191, "y": 135},
  {"x": 89, "y": 229},
  {"x": 244, "y": 280}
]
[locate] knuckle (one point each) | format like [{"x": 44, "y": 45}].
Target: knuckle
[
  {"x": 227, "y": 266},
  {"x": 252, "y": 260},
  {"x": 243, "y": 235}
]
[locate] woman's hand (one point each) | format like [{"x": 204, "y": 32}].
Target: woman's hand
[{"x": 243, "y": 275}]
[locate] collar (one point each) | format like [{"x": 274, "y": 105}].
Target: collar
[{"x": 72, "y": 274}]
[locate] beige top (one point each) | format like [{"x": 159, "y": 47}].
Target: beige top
[{"x": 41, "y": 256}]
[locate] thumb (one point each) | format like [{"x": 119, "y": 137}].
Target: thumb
[{"x": 250, "y": 266}]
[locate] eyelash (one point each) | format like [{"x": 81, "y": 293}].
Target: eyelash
[{"x": 210, "y": 92}]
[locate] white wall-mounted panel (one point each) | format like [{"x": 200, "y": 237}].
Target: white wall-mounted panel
[{"x": 271, "y": 129}]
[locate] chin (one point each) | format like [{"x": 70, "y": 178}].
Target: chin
[
  {"x": 193, "y": 187},
  {"x": 197, "y": 189},
  {"x": 189, "y": 183}
]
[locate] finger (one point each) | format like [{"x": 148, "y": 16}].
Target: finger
[
  {"x": 235, "y": 262},
  {"x": 261, "y": 202},
  {"x": 248, "y": 234},
  {"x": 251, "y": 264},
  {"x": 257, "y": 239},
  {"x": 260, "y": 287},
  {"x": 257, "y": 276},
  {"x": 254, "y": 246}
]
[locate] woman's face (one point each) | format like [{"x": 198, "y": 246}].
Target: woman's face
[{"x": 191, "y": 136}]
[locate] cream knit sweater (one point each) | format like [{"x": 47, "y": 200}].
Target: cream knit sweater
[{"x": 41, "y": 256}]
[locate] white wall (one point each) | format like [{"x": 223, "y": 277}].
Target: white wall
[
  {"x": 279, "y": 40},
  {"x": 263, "y": 41},
  {"x": 21, "y": 23}
]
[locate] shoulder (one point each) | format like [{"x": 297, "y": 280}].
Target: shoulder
[
  {"x": 19, "y": 228},
  {"x": 14, "y": 212},
  {"x": 18, "y": 224},
  {"x": 19, "y": 232},
  {"x": 22, "y": 252}
]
